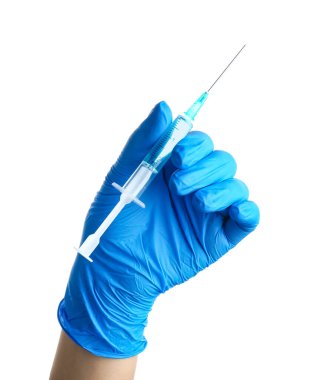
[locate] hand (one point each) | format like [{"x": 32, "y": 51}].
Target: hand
[{"x": 196, "y": 211}]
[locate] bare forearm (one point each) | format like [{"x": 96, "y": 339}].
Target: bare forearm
[{"x": 74, "y": 363}]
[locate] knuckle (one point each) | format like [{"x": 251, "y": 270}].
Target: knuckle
[
  {"x": 226, "y": 159},
  {"x": 242, "y": 186}
]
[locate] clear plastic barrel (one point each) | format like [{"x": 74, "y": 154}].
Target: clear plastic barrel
[
  {"x": 163, "y": 148},
  {"x": 156, "y": 158}
]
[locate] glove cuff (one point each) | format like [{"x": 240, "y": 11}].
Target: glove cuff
[{"x": 107, "y": 322}]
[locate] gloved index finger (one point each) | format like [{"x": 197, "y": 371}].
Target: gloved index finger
[
  {"x": 139, "y": 143},
  {"x": 147, "y": 134}
]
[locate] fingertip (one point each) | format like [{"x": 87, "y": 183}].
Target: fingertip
[
  {"x": 154, "y": 125},
  {"x": 220, "y": 195},
  {"x": 176, "y": 184},
  {"x": 163, "y": 109},
  {"x": 176, "y": 158},
  {"x": 201, "y": 205},
  {"x": 246, "y": 214}
]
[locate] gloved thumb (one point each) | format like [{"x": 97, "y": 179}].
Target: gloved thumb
[{"x": 140, "y": 142}]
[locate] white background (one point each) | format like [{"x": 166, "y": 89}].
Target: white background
[{"x": 76, "y": 77}]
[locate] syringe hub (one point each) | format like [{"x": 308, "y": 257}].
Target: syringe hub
[{"x": 196, "y": 106}]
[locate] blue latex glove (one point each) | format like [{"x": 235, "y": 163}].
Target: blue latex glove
[{"x": 195, "y": 212}]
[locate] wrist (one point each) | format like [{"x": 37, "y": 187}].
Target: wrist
[
  {"x": 107, "y": 321},
  {"x": 72, "y": 361}
]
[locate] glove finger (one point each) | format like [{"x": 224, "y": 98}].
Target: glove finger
[
  {"x": 140, "y": 142},
  {"x": 219, "y": 196},
  {"x": 193, "y": 148},
  {"x": 243, "y": 219},
  {"x": 215, "y": 167}
]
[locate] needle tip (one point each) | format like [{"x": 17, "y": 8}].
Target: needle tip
[{"x": 227, "y": 67}]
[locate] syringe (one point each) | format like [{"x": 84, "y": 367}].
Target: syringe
[{"x": 149, "y": 167}]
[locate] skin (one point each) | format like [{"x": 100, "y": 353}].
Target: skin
[{"x": 72, "y": 362}]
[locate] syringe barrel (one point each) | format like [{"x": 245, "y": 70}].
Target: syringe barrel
[
  {"x": 162, "y": 149},
  {"x": 157, "y": 157},
  {"x": 137, "y": 182}
]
